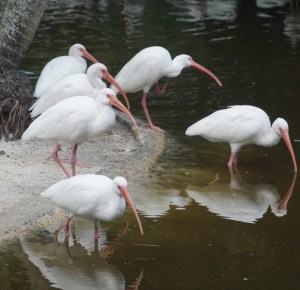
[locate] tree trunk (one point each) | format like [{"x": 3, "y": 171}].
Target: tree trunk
[{"x": 19, "y": 21}]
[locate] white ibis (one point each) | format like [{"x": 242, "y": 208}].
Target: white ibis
[
  {"x": 74, "y": 120},
  {"x": 148, "y": 66},
  {"x": 240, "y": 126},
  {"x": 92, "y": 196},
  {"x": 62, "y": 66},
  {"x": 77, "y": 84}
]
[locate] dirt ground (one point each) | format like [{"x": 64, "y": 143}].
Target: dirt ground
[{"x": 25, "y": 171}]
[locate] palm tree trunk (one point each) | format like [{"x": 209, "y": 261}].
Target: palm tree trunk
[{"x": 19, "y": 21}]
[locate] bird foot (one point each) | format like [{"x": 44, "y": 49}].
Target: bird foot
[
  {"x": 53, "y": 154},
  {"x": 50, "y": 157},
  {"x": 155, "y": 128},
  {"x": 79, "y": 164}
]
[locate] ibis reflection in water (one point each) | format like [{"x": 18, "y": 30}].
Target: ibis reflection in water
[
  {"x": 239, "y": 200},
  {"x": 79, "y": 263}
]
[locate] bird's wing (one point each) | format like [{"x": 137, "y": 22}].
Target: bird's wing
[
  {"x": 64, "y": 115},
  {"x": 55, "y": 70},
  {"x": 232, "y": 125},
  {"x": 139, "y": 74},
  {"x": 81, "y": 194},
  {"x": 70, "y": 86}
]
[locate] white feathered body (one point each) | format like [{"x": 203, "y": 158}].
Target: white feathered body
[
  {"x": 77, "y": 84},
  {"x": 90, "y": 196},
  {"x": 238, "y": 126},
  {"x": 57, "y": 69},
  {"x": 144, "y": 69},
  {"x": 72, "y": 121}
]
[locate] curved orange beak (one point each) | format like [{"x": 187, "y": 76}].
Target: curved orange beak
[
  {"x": 285, "y": 136},
  {"x": 107, "y": 76},
  {"x": 125, "y": 194},
  {"x": 202, "y": 68},
  {"x": 114, "y": 101},
  {"x": 88, "y": 56}
]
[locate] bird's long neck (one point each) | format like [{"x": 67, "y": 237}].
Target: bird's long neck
[
  {"x": 106, "y": 114},
  {"x": 174, "y": 68},
  {"x": 96, "y": 82},
  {"x": 269, "y": 139},
  {"x": 80, "y": 59}
]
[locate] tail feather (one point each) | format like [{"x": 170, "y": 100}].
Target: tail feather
[
  {"x": 30, "y": 132},
  {"x": 26, "y": 135},
  {"x": 47, "y": 194},
  {"x": 194, "y": 129}
]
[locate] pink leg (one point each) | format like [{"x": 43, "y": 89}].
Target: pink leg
[
  {"x": 74, "y": 161},
  {"x": 73, "y": 158},
  {"x": 161, "y": 91},
  {"x": 144, "y": 105},
  {"x": 55, "y": 157},
  {"x": 235, "y": 160},
  {"x": 79, "y": 164},
  {"x": 96, "y": 231},
  {"x": 57, "y": 148},
  {"x": 232, "y": 161},
  {"x": 66, "y": 226}
]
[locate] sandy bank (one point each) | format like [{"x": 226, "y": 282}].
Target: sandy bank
[{"x": 25, "y": 171}]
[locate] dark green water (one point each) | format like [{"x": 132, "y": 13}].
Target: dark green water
[{"x": 201, "y": 231}]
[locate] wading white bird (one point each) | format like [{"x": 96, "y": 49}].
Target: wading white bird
[
  {"x": 148, "y": 66},
  {"x": 92, "y": 196},
  {"x": 240, "y": 126},
  {"x": 62, "y": 66},
  {"x": 74, "y": 120},
  {"x": 77, "y": 84}
]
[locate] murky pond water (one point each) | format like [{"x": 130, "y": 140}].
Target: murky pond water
[{"x": 204, "y": 229}]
